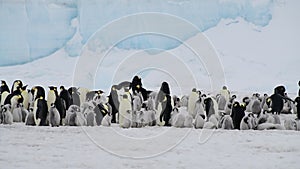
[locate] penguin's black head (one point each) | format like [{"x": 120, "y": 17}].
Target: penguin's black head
[
  {"x": 236, "y": 104},
  {"x": 3, "y": 83},
  {"x": 136, "y": 83},
  {"x": 246, "y": 100},
  {"x": 265, "y": 95},
  {"x": 24, "y": 87},
  {"x": 194, "y": 90},
  {"x": 299, "y": 83},
  {"x": 243, "y": 106},
  {"x": 165, "y": 88},
  {"x": 100, "y": 92},
  {"x": 233, "y": 96},
  {"x": 279, "y": 90},
  {"x": 52, "y": 88},
  {"x": 62, "y": 88}
]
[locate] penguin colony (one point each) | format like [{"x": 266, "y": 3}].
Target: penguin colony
[{"x": 130, "y": 105}]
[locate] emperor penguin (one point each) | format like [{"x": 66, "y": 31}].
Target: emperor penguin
[
  {"x": 38, "y": 92},
  {"x": 4, "y": 92},
  {"x": 25, "y": 96},
  {"x": 238, "y": 112},
  {"x": 221, "y": 103},
  {"x": 40, "y": 111},
  {"x": 106, "y": 121},
  {"x": 263, "y": 104},
  {"x": 199, "y": 109},
  {"x": 15, "y": 101},
  {"x": 297, "y": 100},
  {"x": 291, "y": 124},
  {"x": 16, "y": 84},
  {"x": 51, "y": 96},
  {"x": 30, "y": 118},
  {"x": 211, "y": 107},
  {"x": 225, "y": 92},
  {"x": 199, "y": 121},
  {"x": 114, "y": 102},
  {"x": 193, "y": 97},
  {"x": 54, "y": 116},
  {"x": 71, "y": 114},
  {"x": 75, "y": 96},
  {"x": 17, "y": 113},
  {"x": 24, "y": 112},
  {"x": 226, "y": 123},
  {"x": 90, "y": 117},
  {"x": 83, "y": 93},
  {"x": 80, "y": 120},
  {"x": 65, "y": 95},
  {"x": 6, "y": 114},
  {"x": 255, "y": 107},
  {"x": 248, "y": 122},
  {"x": 125, "y": 110},
  {"x": 178, "y": 117}
]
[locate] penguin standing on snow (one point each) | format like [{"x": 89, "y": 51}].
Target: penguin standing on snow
[
  {"x": 53, "y": 98},
  {"x": 40, "y": 111},
  {"x": 210, "y": 107},
  {"x": 114, "y": 103},
  {"x": 166, "y": 101},
  {"x": 6, "y": 114},
  {"x": 54, "y": 116},
  {"x": 65, "y": 95},
  {"x": 75, "y": 98},
  {"x": 193, "y": 97},
  {"x": 125, "y": 110},
  {"x": 38, "y": 92},
  {"x": 297, "y": 100},
  {"x": 71, "y": 115},
  {"x": 25, "y": 96},
  {"x": 275, "y": 101},
  {"x": 16, "y": 84},
  {"x": 238, "y": 112},
  {"x": 4, "y": 92}
]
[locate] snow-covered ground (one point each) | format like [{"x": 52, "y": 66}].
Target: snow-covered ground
[{"x": 150, "y": 147}]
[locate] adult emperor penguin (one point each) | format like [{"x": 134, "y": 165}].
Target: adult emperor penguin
[
  {"x": 82, "y": 94},
  {"x": 38, "y": 92},
  {"x": 75, "y": 98},
  {"x": 16, "y": 84},
  {"x": 40, "y": 111},
  {"x": 25, "y": 96},
  {"x": 297, "y": 100},
  {"x": 54, "y": 116},
  {"x": 165, "y": 99},
  {"x": 65, "y": 95},
  {"x": 114, "y": 102},
  {"x": 51, "y": 96},
  {"x": 4, "y": 92},
  {"x": 238, "y": 112},
  {"x": 193, "y": 97},
  {"x": 125, "y": 110}
]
